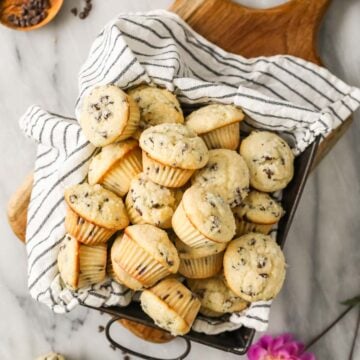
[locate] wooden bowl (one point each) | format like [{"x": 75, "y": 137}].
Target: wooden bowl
[{"x": 9, "y": 7}]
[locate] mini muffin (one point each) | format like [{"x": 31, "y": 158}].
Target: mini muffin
[
  {"x": 259, "y": 212},
  {"x": 270, "y": 160},
  {"x": 116, "y": 272},
  {"x": 254, "y": 267},
  {"x": 172, "y": 153},
  {"x": 115, "y": 166},
  {"x": 203, "y": 218},
  {"x": 157, "y": 106},
  {"x": 107, "y": 115},
  {"x": 215, "y": 296},
  {"x": 200, "y": 263},
  {"x": 81, "y": 265},
  {"x": 171, "y": 305},
  {"x": 94, "y": 213},
  {"x": 226, "y": 174},
  {"x": 218, "y": 125},
  {"x": 150, "y": 203},
  {"x": 51, "y": 356},
  {"x": 145, "y": 254}
]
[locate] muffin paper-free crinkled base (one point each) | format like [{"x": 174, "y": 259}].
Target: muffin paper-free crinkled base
[
  {"x": 118, "y": 179},
  {"x": 201, "y": 268},
  {"x": 244, "y": 227},
  {"x": 165, "y": 175},
  {"x": 138, "y": 263},
  {"x": 226, "y": 137},
  {"x": 133, "y": 120},
  {"x": 92, "y": 264},
  {"x": 179, "y": 298},
  {"x": 85, "y": 231},
  {"x": 186, "y": 231}
]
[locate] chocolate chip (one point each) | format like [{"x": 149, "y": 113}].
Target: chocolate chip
[
  {"x": 101, "y": 328},
  {"x": 165, "y": 296},
  {"x": 263, "y": 275},
  {"x": 72, "y": 198},
  {"x": 268, "y": 172},
  {"x": 169, "y": 262},
  {"x": 213, "y": 167},
  {"x": 74, "y": 11}
]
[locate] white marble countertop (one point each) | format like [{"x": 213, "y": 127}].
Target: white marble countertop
[{"x": 322, "y": 248}]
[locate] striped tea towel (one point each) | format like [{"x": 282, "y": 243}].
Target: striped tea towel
[{"x": 280, "y": 93}]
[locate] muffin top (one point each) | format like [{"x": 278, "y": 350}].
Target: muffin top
[
  {"x": 104, "y": 114},
  {"x": 254, "y": 267},
  {"x": 212, "y": 117},
  {"x": 154, "y": 203},
  {"x": 97, "y": 205},
  {"x": 216, "y": 296},
  {"x": 270, "y": 160},
  {"x": 226, "y": 174},
  {"x": 156, "y": 242},
  {"x": 108, "y": 157},
  {"x": 175, "y": 145},
  {"x": 259, "y": 208},
  {"x": 209, "y": 213},
  {"x": 157, "y": 106},
  {"x": 187, "y": 252}
]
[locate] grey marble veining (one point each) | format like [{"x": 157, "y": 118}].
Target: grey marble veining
[{"x": 322, "y": 248}]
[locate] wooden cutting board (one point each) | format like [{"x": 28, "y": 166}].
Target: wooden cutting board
[{"x": 290, "y": 28}]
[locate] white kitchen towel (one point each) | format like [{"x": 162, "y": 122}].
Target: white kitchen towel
[{"x": 280, "y": 93}]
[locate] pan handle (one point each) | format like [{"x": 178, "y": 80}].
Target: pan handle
[{"x": 135, "y": 353}]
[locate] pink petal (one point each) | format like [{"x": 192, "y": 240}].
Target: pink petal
[
  {"x": 307, "y": 356},
  {"x": 291, "y": 348},
  {"x": 277, "y": 343},
  {"x": 256, "y": 352},
  {"x": 266, "y": 341}
]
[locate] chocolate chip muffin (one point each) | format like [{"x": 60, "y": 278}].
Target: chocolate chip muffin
[
  {"x": 202, "y": 218},
  {"x": 145, "y": 254},
  {"x": 150, "y": 203},
  {"x": 254, "y": 267},
  {"x": 216, "y": 297},
  {"x": 171, "y": 305},
  {"x": 107, "y": 115},
  {"x": 81, "y": 265},
  {"x": 93, "y": 213},
  {"x": 171, "y": 154},
  {"x": 218, "y": 125},
  {"x": 226, "y": 174},
  {"x": 270, "y": 161},
  {"x": 157, "y": 106},
  {"x": 259, "y": 212},
  {"x": 115, "y": 166}
]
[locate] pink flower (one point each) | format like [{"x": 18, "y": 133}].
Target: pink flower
[{"x": 283, "y": 347}]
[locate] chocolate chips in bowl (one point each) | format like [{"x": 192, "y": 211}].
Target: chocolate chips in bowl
[{"x": 28, "y": 15}]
